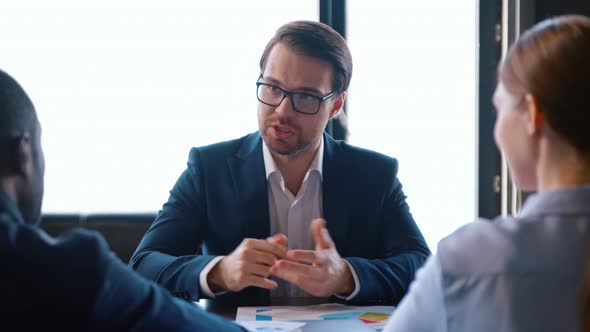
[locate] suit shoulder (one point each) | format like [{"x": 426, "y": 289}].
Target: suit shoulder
[
  {"x": 84, "y": 238},
  {"x": 219, "y": 149},
  {"x": 372, "y": 162},
  {"x": 363, "y": 152},
  {"x": 75, "y": 257},
  {"x": 28, "y": 239}
]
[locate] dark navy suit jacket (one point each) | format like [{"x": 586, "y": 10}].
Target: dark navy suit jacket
[
  {"x": 222, "y": 198},
  {"x": 75, "y": 283}
]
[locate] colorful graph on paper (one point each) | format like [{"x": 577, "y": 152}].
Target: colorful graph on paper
[{"x": 373, "y": 316}]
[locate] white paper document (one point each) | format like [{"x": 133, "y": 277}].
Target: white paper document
[
  {"x": 373, "y": 317},
  {"x": 271, "y": 326}
]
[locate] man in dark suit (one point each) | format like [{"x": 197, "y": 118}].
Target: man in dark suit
[
  {"x": 237, "y": 224},
  {"x": 72, "y": 282}
]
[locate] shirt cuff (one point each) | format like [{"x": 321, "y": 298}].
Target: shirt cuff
[
  {"x": 203, "y": 278},
  {"x": 357, "y": 284}
]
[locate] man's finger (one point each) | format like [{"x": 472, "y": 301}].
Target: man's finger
[
  {"x": 279, "y": 239},
  {"x": 260, "y": 257},
  {"x": 309, "y": 256},
  {"x": 261, "y": 282},
  {"x": 257, "y": 269},
  {"x": 295, "y": 273},
  {"x": 320, "y": 234},
  {"x": 290, "y": 272},
  {"x": 269, "y": 247}
]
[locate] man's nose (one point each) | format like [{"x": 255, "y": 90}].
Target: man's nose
[{"x": 285, "y": 107}]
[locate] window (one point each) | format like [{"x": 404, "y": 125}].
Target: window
[
  {"x": 412, "y": 96},
  {"x": 124, "y": 89}
]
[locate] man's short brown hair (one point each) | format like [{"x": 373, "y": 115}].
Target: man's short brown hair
[{"x": 316, "y": 40}]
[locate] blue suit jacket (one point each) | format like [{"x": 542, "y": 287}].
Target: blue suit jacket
[
  {"x": 74, "y": 283},
  {"x": 222, "y": 198}
]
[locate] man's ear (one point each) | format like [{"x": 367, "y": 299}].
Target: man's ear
[
  {"x": 19, "y": 155},
  {"x": 338, "y": 104},
  {"x": 534, "y": 118}
]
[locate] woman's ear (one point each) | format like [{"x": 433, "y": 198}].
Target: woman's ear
[{"x": 534, "y": 117}]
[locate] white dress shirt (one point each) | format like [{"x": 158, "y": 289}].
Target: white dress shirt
[{"x": 291, "y": 215}]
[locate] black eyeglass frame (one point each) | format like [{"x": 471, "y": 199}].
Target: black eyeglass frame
[{"x": 290, "y": 94}]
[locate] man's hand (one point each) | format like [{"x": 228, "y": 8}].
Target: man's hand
[
  {"x": 248, "y": 265},
  {"x": 325, "y": 274}
]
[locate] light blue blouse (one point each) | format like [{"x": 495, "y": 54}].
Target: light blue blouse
[{"x": 509, "y": 274}]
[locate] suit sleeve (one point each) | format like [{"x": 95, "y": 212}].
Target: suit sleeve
[
  {"x": 128, "y": 302},
  {"x": 169, "y": 251},
  {"x": 403, "y": 251}
]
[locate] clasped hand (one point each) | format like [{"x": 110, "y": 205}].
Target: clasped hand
[{"x": 320, "y": 272}]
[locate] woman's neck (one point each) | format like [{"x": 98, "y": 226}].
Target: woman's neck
[{"x": 561, "y": 166}]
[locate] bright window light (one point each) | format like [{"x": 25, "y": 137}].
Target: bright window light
[
  {"x": 412, "y": 97},
  {"x": 124, "y": 89}
]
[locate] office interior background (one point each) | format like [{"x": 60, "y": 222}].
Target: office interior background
[{"x": 124, "y": 89}]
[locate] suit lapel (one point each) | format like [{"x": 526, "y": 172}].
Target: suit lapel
[
  {"x": 247, "y": 169},
  {"x": 334, "y": 195}
]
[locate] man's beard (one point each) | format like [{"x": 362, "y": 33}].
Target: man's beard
[
  {"x": 301, "y": 145},
  {"x": 30, "y": 206}
]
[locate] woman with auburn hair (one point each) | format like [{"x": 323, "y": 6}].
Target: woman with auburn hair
[{"x": 523, "y": 273}]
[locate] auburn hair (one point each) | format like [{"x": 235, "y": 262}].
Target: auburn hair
[{"x": 551, "y": 61}]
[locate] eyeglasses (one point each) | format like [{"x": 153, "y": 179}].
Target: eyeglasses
[{"x": 303, "y": 103}]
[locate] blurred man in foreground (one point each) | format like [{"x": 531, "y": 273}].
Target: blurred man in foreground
[{"x": 72, "y": 282}]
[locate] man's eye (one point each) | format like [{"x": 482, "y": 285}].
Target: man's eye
[{"x": 305, "y": 98}]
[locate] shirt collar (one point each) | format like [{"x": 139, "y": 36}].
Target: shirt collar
[
  {"x": 563, "y": 201},
  {"x": 271, "y": 167}
]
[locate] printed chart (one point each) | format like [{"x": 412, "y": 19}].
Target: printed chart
[{"x": 373, "y": 317}]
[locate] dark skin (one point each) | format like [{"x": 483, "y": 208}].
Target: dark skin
[{"x": 22, "y": 168}]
